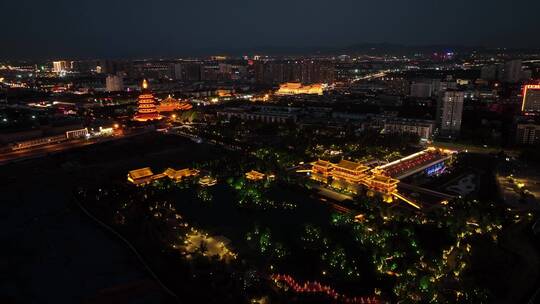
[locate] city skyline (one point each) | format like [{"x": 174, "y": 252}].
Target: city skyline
[
  {"x": 167, "y": 29},
  {"x": 271, "y": 152}
]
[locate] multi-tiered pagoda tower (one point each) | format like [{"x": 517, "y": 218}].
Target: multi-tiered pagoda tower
[{"x": 147, "y": 105}]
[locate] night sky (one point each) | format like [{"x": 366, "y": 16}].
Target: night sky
[{"x": 113, "y": 28}]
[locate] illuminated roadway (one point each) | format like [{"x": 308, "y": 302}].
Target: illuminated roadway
[
  {"x": 373, "y": 76},
  {"x": 12, "y": 156},
  {"x": 41, "y": 151}
]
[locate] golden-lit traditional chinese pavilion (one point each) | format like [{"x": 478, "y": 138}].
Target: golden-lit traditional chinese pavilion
[
  {"x": 207, "y": 181},
  {"x": 140, "y": 176},
  {"x": 321, "y": 170},
  {"x": 171, "y": 104},
  {"x": 180, "y": 174},
  {"x": 348, "y": 175},
  {"x": 145, "y": 175},
  {"x": 351, "y": 176},
  {"x": 350, "y": 171},
  {"x": 147, "y": 109},
  {"x": 345, "y": 175},
  {"x": 382, "y": 183},
  {"x": 254, "y": 175}
]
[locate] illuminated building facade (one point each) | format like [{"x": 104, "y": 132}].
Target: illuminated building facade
[
  {"x": 352, "y": 176},
  {"x": 345, "y": 175},
  {"x": 531, "y": 99},
  {"x": 147, "y": 109},
  {"x": 61, "y": 66},
  {"x": 429, "y": 159},
  {"x": 296, "y": 88},
  {"x": 451, "y": 111},
  {"x": 81, "y": 133},
  {"x": 382, "y": 183},
  {"x": 348, "y": 175},
  {"x": 422, "y": 128},
  {"x": 170, "y": 104},
  {"x": 435, "y": 169},
  {"x": 321, "y": 170},
  {"x": 114, "y": 83}
]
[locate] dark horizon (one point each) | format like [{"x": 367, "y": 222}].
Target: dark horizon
[
  {"x": 165, "y": 28},
  {"x": 284, "y": 51}
]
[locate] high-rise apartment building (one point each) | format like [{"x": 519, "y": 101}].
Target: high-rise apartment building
[
  {"x": 512, "y": 71},
  {"x": 306, "y": 72},
  {"x": 528, "y": 133},
  {"x": 421, "y": 89},
  {"x": 114, "y": 83},
  {"x": 451, "y": 110},
  {"x": 61, "y": 66}
]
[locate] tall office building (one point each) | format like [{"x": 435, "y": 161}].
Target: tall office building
[
  {"x": 531, "y": 99},
  {"x": 114, "y": 83},
  {"x": 177, "y": 71},
  {"x": 451, "y": 110}
]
